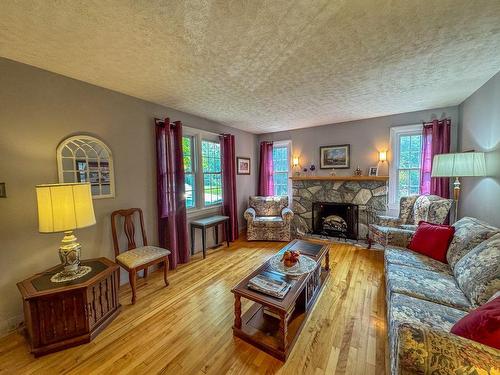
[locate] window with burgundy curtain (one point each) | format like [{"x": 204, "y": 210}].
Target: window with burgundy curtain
[
  {"x": 230, "y": 204},
  {"x": 266, "y": 183},
  {"x": 436, "y": 140},
  {"x": 172, "y": 226}
]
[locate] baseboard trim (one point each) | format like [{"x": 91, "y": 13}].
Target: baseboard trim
[{"x": 9, "y": 325}]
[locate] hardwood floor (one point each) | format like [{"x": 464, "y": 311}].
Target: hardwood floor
[{"x": 186, "y": 327}]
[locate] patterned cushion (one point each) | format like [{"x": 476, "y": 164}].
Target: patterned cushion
[
  {"x": 410, "y": 258},
  {"x": 268, "y": 206},
  {"x": 412, "y": 227},
  {"x": 141, "y": 255},
  {"x": 388, "y": 221},
  {"x": 427, "y": 351},
  {"x": 388, "y": 236},
  {"x": 268, "y": 221},
  {"x": 469, "y": 232},
  {"x": 417, "y": 312},
  {"x": 478, "y": 272},
  {"x": 431, "y": 208},
  {"x": 431, "y": 286}
]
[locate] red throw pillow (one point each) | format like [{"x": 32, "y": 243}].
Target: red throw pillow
[
  {"x": 481, "y": 325},
  {"x": 432, "y": 240}
]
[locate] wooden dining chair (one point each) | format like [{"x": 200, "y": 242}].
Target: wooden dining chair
[{"x": 135, "y": 258}]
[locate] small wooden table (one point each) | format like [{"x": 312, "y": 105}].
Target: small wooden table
[
  {"x": 66, "y": 314},
  {"x": 272, "y": 335},
  {"x": 204, "y": 224}
]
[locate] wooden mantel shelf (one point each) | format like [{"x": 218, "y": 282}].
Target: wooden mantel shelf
[{"x": 340, "y": 178}]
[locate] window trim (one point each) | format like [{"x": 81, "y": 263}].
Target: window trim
[
  {"x": 288, "y": 145},
  {"x": 200, "y": 209},
  {"x": 395, "y": 133}
]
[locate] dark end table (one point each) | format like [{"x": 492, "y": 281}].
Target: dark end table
[
  {"x": 66, "y": 314},
  {"x": 204, "y": 224}
]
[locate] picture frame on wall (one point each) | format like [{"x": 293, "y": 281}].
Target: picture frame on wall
[
  {"x": 337, "y": 156},
  {"x": 373, "y": 171},
  {"x": 243, "y": 165}
]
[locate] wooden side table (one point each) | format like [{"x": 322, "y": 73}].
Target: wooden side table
[
  {"x": 204, "y": 224},
  {"x": 62, "y": 315}
]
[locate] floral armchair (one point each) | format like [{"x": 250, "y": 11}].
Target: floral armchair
[
  {"x": 412, "y": 210},
  {"x": 268, "y": 219}
]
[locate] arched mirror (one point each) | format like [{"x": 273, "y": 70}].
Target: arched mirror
[{"x": 83, "y": 158}]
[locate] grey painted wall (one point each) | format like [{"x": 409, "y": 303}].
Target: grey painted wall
[
  {"x": 366, "y": 138},
  {"x": 38, "y": 109},
  {"x": 480, "y": 130}
]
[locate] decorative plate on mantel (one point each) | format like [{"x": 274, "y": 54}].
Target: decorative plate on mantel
[{"x": 303, "y": 266}]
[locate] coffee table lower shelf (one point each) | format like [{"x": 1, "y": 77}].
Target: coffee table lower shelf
[{"x": 268, "y": 334}]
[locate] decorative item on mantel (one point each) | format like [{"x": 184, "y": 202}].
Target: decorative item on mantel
[
  {"x": 357, "y": 171},
  {"x": 312, "y": 168},
  {"x": 63, "y": 208}
]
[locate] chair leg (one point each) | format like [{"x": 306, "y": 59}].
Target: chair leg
[
  {"x": 165, "y": 271},
  {"x": 132, "y": 275}
]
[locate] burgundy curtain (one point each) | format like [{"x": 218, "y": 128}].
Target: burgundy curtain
[
  {"x": 436, "y": 140},
  {"x": 266, "y": 186},
  {"x": 172, "y": 227},
  {"x": 230, "y": 205}
]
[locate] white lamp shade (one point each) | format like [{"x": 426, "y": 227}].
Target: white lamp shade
[
  {"x": 64, "y": 207},
  {"x": 464, "y": 164}
]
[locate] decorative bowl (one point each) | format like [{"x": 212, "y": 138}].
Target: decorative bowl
[{"x": 303, "y": 266}]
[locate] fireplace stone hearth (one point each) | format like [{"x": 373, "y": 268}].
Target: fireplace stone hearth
[{"x": 368, "y": 194}]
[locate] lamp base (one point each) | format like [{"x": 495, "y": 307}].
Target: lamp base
[{"x": 69, "y": 253}]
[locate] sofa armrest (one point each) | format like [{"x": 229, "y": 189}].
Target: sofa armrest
[
  {"x": 422, "y": 350},
  {"x": 249, "y": 214},
  {"x": 388, "y": 221},
  {"x": 287, "y": 215},
  {"x": 399, "y": 237}
]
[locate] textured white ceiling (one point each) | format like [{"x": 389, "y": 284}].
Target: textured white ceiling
[{"x": 265, "y": 66}]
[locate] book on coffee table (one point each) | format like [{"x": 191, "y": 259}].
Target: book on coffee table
[{"x": 267, "y": 285}]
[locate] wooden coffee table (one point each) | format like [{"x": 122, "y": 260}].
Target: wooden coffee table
[{"x": 270, "y": 334}]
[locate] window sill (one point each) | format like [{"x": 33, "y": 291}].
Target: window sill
[{"x": 193, "y": 213}]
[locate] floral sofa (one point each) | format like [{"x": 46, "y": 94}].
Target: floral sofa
[
  {"x": 425, "y": 298},
  {"x": 412, "y": 210},
  {"x": 268, "y": 219}
]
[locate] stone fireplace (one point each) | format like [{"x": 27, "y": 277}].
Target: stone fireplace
[{"x": 366, "y": 192}]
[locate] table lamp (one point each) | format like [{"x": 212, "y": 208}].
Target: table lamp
[
  {"x": 63, "y": 208},
  {"x": 463, "y": 164}
]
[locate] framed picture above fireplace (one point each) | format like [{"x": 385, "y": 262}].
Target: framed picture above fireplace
[{"x": 338, "y": 157}]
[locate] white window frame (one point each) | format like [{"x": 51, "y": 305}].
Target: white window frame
[
  {"x": 395, "y": 134},
  {"x": 198, "y": 136},
  {"x": 288, "y": 145}
]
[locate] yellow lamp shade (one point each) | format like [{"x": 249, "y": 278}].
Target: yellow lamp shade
[
  {"x": 463, "y": 164},
  {"x": 295, "y": 161},
  {"x": 382, "y": 156},
  {"x": 64, "y": 207}
]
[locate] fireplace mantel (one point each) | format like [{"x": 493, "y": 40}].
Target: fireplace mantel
[{"x": 340, "y": 178}]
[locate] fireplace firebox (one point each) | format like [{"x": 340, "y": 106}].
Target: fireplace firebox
[{"x": 335, "y": 219}]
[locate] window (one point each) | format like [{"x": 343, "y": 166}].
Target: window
[
  {"x": 410, "y": 149},
  {"x": 187, "y": 149},
  {"x": 212, "y": 174},
  {"x": 406, "y": 146},
  {"x": 281, "y": 167},
  {"x": 202, "y": 168}
]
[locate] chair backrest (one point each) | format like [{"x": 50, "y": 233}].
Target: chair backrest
[
  {"x": 406, "y": 209},
  {"x": 431, "y": 208},
  {"x": 268, "y": 206},
  {"x": 128, "y": 228}
]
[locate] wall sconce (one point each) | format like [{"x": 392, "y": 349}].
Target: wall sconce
[
  {"x": 382, "y": 156},
  {"x": 295, "y": 161}
]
